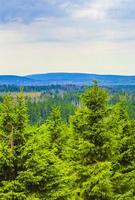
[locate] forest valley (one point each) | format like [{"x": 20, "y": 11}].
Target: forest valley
[{"x": 60, "y": 147}]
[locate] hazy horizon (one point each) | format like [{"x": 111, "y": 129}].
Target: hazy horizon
[
  {"x": 67, "y": 72},
  {"x": 83, "y": 36}
]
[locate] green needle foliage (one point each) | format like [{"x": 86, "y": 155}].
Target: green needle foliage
[
  {"x": 93, "y": 144},
  {"x": 89, "y": 157}
]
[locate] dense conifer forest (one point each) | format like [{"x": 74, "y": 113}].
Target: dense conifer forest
[{"x": 78, "y": 145}]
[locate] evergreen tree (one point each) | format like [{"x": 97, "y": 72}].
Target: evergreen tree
[
  {"x": 7, "y": 120},
  {"x": 45, "y": 175},
  {"x": 11, "y": 144},
  {"x": 93, "y": 145},
  {"x": 124, "y": 164},
  {"x": 58, "y": 130},
  {"x": 92, "y": 158},
  {"x": 7, "y": 129},
  {"x": 21, "y": 121}
]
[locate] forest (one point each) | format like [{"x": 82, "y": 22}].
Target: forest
[{"x": 75, "y": 145}]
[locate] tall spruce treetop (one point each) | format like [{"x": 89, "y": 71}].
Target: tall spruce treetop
[
  {"x": 90, "y": 123},
  {"x": 95, "y": 98},
  {"x": 93, "y": 145}
]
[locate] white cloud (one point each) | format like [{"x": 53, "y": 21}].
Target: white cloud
[
  {"x": 96, "y": 9},
  {"x": 90, "y": 13}
]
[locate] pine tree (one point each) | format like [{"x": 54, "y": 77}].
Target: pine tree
[
  {"x": 92, "y": 158},
  {"x": 7, "y": 129},
  {"x": 57, "y": 129},
  {"x": 11, "y": 144},
  {"x": 124, "y": 163},
  {"x": 93, "y": 146},
  {"x": 45, "y": 175},
  {"x": 7, "y": 120},
  {"x": 21, "y": 121}
]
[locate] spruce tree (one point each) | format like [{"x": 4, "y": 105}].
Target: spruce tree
[
  {"x": 7, "y": 129},
  {"x": 7, "y": 120},
  {"x": 58, "y": 130},
  {"x": 21, "y": 121},
  {"x": 45, "y": 175},
  {"x": 92, "y": 146},
  {"x": 124, "y": 163},
  {"x": 11, "y": 144}
]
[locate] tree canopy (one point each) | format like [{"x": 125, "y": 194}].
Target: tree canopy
[{"x": 89, "y": 157}]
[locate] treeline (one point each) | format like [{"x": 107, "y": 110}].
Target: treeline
[
  {"x": 65, "y": 88},
  {"x": 68, "y": 101},
  {"x": 45, "y": 88},
  {"x": 41, "y": 99},
  {"x": 92, "y": 157},
  {"x": 40, "y": 107}
]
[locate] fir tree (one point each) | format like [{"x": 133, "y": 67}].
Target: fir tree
[
  {"x": 57, "y": 129},
  {"x": 92, "y": 147},
  {"x": 11, "y": 144},
  {"x": 124, "y": 164}
]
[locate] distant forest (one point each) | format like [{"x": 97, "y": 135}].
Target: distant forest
[
  {"x": 67, "y": 143},
  {"x": 41, "y": 99}
]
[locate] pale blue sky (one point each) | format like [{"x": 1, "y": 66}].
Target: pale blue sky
[{"x": 95, "y": 36}]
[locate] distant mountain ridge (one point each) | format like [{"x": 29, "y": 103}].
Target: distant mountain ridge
[
  {"x": 66, "y": 78},
  {"x": 15, "y": 80}
]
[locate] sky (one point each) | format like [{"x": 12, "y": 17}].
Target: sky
[{"x": 41, "y": 36}]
